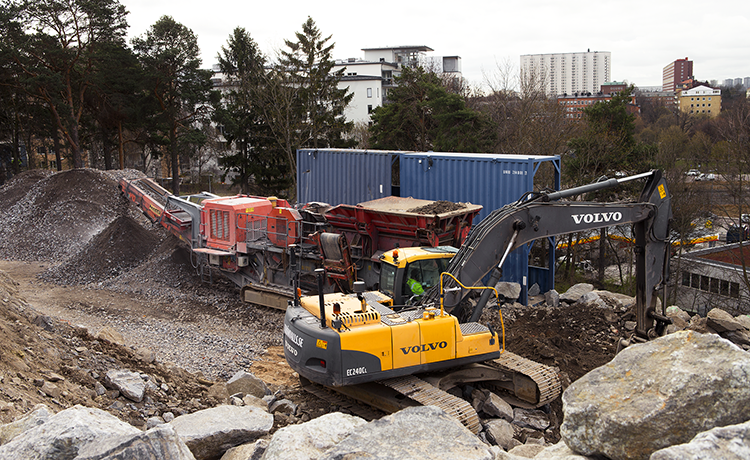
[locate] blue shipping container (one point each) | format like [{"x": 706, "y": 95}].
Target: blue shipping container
[{"x": 341, "y": 176}]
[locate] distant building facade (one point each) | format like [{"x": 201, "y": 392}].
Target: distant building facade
[
  {"x": 675, "y": 73},
  {"x": 370, "y": 79},
  {"x": 574, "y": 104},
  {"x": 700, "y": 100},
  {"x": 712, "y": 278},
  {"x": 569, "y": 73},
  {"x": 613, "y": 87}
]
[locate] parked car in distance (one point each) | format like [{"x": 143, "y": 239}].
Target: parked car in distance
[
  {"x": 692, "y": 173},
  {"x": 709, "y": 176}
]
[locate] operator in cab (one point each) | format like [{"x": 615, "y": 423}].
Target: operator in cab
[{"x": 414, "y": 282}]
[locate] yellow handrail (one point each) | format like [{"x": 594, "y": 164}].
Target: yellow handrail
[{"x": 497, "y": 298}]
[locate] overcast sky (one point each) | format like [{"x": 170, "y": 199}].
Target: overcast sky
[{"x": 643, "y": 36}]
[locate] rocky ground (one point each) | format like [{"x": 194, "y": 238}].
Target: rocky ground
[{"x": 77, "y": 258}]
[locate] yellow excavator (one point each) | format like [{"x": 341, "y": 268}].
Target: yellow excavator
[{"x": 398, "y": 346}]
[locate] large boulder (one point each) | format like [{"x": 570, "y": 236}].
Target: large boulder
[
  {"x": 246, "y": 383},
  {"x": 511, "y": 291},
  {"x": 130, "y": 384},
  {"x": 309, "y": 440},
  {"x": 721, "y": 321},
  {"x": 423, "y": 432},
  {"x": 727, "y": 443},
  {"x": 575, "y": 292},
  {"x": 66, "y": 433},
  {"x": 37, "y": 416},
  {"x": 158, "y": 443},
  {"x": 211, "y": 432},
  {"x": 657, "y": 394}
]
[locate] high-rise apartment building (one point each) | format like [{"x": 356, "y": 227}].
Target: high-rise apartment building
[
  {"x": 568, "y": 73},
  {"x": 675, "y": 73}
]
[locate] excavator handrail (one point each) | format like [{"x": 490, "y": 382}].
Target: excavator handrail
[{"x": 489, "y": 288}]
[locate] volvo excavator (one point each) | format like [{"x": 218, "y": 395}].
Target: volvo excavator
[{"x": 390, "y": 350}]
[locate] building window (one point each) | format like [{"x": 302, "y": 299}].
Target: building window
[
  {"x": 369, "y": 92},
  {"x": 369, "y": 108}
]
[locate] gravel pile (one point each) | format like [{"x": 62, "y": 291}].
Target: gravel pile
[{"x": 100, "y": 243}]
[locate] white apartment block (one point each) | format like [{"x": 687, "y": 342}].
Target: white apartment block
[
  {"x": 569, "y": 73},
  {"x": 371, "y": 78}
]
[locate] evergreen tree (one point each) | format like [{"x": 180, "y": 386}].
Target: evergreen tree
[
  {"x": 51, "y": 44},
  {"x": 170, "y": 55},
  {"x": 421, "y": 115},
  {"x": 320, "y": 103},
  {"x": 239, "y": 114}
]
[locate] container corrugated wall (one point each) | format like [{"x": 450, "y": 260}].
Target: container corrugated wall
[
  {"x": 341, "y": 176},
  {"x": 490, "y": 180}
]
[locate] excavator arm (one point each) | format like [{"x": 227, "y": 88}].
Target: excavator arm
[{"x": 542, "y": 215}]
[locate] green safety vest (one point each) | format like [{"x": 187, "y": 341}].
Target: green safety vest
[{"x": 415, "y": 286}]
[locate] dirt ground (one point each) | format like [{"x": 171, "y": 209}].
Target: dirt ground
[{"x": 128, "y": 273}]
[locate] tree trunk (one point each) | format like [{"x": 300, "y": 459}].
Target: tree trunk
[{"x": 175, "y": 159}]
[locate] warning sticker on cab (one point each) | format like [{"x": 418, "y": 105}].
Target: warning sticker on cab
[{"x": 322, "y": 344}]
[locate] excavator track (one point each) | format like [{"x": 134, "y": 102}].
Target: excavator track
[
  {"x": 546, "y": 385},
  {"x": 338, "y": 399},
  {"x": 426, "y": 394}
]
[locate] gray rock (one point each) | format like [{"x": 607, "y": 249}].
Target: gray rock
[
  {"x": 674, "y": 311},
  {"x": 32, "y": 419},
  {"x": 167, "y": 416},
  {"x": 311, "y": 439},
  {"x": 158, "y": 443},
  {"x": 129, "y": 384},
  {"x": 511, "y": 291},
  {"x": 526, "y": 450},
  {"x": 154, "y": 421},
  {"x": 592, "y": 298},
  {"x": 65, "y": 434},
  {"x": 700, "y": 324},
  {"x": 99, "y": 388},
  {"x": 575, "y": 292},
  {"x": 283, "y": 406},
  {"x": 251, "y": 451},
  {"x": 560, "y": 451},
  {"x": 744, "y": 320},
  {"x": 211, "y": 432},
  {"x": 534, "y": 290},
  {"x": 251, "y": 400},
  {"x": 675, "y": 387},
  {"x": 423, "y": 432},
  {"x": 726, "y": 443},
  {"x": 50, "y": 389},
  {"x": 616, "y": 300},
  {"x": 721, "y": 321},
  {"x": 500, "y": 432},
  {"x": 247, "y": 384},
  {"x": 552, "y": 298},
  {"x": 495, "y": 406},
  {"x": 145, "y": 355},
  {"x": 740, "y": 337},
  {"x": 218, "y": 391},
  {"x": 527, "y": 418}
]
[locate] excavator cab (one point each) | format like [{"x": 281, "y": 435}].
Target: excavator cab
[{"x": 406, "y": 271}]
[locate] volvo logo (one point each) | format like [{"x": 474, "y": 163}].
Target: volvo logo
[
  {"x": 424, "y": 347},
  {"x": 597, "y": 217}
]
